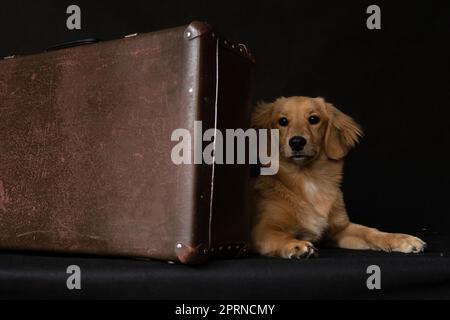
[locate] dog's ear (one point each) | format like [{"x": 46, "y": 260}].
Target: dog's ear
[
  {"x": 342, "y": 133},
  {"x": 262, "y": 116}
]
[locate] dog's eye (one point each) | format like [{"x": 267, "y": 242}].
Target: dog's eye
[
  {"x": 283, "y": 122},
  {"x": 314, "y": 120}
]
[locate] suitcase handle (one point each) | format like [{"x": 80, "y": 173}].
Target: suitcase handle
[{"x": 72, "y": 44}]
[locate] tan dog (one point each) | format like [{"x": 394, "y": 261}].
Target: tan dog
[{"x": 303, "y": 203}]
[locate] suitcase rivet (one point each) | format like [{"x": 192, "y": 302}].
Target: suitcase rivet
[
  {"x": 188, "y": 34},
  {"x": 179, "y": 246},
  {"x": 191, "y": 90}
]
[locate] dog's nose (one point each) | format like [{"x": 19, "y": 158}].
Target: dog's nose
[{"x": 297, "y": 143}]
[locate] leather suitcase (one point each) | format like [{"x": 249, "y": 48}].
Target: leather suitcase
[{"x": 85, "y": 148}]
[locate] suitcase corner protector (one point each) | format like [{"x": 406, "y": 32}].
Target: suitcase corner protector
[
  {"x": 191, "y": 255},
  {"x": 197, "y": 29}
]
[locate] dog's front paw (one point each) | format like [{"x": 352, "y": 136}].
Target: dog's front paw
[
  {"x": 299, "y": 250},
  {"x": 405, "y": 243}
]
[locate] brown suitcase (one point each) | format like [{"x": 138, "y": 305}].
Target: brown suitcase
[{"x": 85, "y": 148}]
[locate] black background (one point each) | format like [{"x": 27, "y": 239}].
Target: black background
[{"x": 394, "y": 81}]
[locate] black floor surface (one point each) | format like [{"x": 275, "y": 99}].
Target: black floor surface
[{"x": 335, "y": 274}]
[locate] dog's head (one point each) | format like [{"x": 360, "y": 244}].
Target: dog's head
[{"x": 308, "y": 128}]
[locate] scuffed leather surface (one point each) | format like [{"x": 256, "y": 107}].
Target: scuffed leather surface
[{"x": 85, "y": 150}]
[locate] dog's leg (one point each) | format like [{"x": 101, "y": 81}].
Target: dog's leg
[
  {"x": 348, "y": 235},
  {"x": 358, "y": 237},
  {"x": 271, "y": 242}
]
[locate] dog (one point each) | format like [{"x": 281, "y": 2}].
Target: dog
[{"x": 303, "y": 204}]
